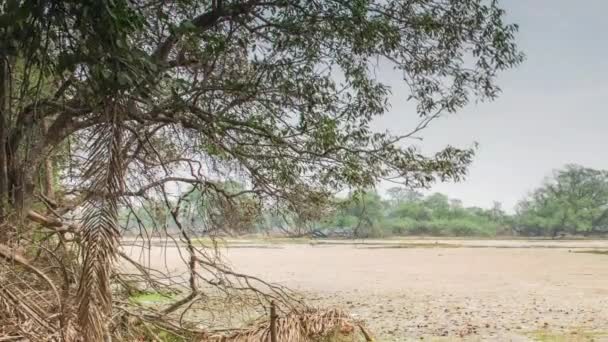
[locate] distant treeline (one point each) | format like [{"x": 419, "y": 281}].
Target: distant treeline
[
  {"x": 572, "y": 201},
  {"x": 410, "y": 213}
]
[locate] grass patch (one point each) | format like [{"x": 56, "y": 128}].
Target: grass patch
[
  {"x": 594, "y": 251},
  {"x": 285, "y": 240},
  {"x": 414, "y": 245},
  {"x": 149, "y": 332},
  {"x": 250, "y": 241},
  {"x": 339, "y": 337},
  {"x": 166, "y": 336},
  {"x": 150, "y": 298},
  {"x": 566, "y": 336}
]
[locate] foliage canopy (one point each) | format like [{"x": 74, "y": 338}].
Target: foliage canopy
[
  {"x": 135, "y": 97},
  {"x": 574, "y": 201}
]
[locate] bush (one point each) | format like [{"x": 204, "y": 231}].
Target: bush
[
  {"x": 442, "y": 227},
  {"x": 371, "y": 231},
  {"x": 399, "y": 226},
  {"x": 435, "y": 215}
]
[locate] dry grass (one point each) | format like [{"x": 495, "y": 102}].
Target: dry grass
[{"x": 310, "y": 326}]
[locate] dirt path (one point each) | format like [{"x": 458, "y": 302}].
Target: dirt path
[{"x": 444, "y": 293}]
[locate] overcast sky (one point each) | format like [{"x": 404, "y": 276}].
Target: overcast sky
[{"x": 552, "y": 110}]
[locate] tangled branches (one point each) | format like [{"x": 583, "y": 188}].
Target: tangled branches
[
  {"x": 206, "y": 300},
  {"x": 137, "y": 118}
]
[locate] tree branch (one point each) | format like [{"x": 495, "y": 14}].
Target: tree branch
[{"x": 202, "y": 22}]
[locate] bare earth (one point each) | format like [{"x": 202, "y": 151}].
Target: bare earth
[{"x": 449, "y": 290}]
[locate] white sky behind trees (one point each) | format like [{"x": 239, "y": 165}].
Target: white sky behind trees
[{"x": 552, "y": 110}]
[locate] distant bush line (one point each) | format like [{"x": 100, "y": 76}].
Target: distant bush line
[{"x": 572, "y": 202}]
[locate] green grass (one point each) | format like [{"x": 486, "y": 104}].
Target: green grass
[
  {"x": 414, "y": 245},
  {"x": 168, "y": 337},
  {"x": 594, "y": 251},
  {"x": 567, "y": 336},
  {"x": 150, "y": 298},
  {"x": 255, "y": 240}
]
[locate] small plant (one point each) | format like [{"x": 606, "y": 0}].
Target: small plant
[{"x": 151, "y": 297}]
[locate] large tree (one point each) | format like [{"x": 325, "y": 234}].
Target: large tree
[
  {"x": 400, "y": 194},
  {"x": 124, "y": 99},
  {"x": 574, "y": 200}
]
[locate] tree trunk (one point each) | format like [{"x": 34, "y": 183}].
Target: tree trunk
[
  {"x": 273, "y": 322},
  {"x": 49, "y": 189},
  {"x": 4, "y": 115},
  {"x": 17, "y": 175}
]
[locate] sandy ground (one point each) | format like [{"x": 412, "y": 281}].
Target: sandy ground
[{"x": 506, "y": 291}]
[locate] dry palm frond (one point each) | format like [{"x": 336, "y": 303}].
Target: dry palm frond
[
  {"x": 100, "y": 229},
  {"x": 25, "y": 313},
  {"x": 308, "y": 326}
]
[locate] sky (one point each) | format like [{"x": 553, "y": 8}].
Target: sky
[{"x": 552, "y": 110}]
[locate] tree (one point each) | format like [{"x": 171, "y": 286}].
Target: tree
[
  {"x": 439, "y": 204},
  {"x": 574, "y": 200},
  {"x": 150, "y": 94},
  {"x": 368, "y": 210},
  {"x": 497, "y": 211},
  {"x": 400, "y": 194},
  {"x": 367, "y": 215},
  {"x": 231, "y": 210}
]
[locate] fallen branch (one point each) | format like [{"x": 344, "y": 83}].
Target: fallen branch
[
  {"x": 366, "y": 334},
  {"x": 51, "y": 222},
  {"x": 12, "y": 256}
]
